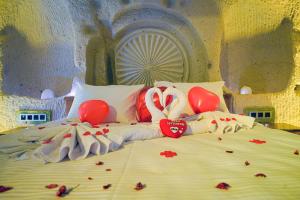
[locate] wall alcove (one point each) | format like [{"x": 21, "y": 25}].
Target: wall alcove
[
  {"x": 263, "y": 62},
  {"x": 158, "y": 43}
]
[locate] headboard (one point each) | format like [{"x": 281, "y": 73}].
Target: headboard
[{"x": 227, "y": 96}]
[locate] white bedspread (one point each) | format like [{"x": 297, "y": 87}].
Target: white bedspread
[{"x": 57, "y": 141}]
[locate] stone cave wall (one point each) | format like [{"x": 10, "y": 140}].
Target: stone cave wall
[
  {"x": 261, "y": 50},
  {"x": 49, "y": 42},
  {"x": 44, "y": 44}
]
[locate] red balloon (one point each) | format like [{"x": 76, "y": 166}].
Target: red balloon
[
  {"x": 202, "y": 100},
  {"x": 93, "y": 111},
  {"x": 143, "y": 114}
]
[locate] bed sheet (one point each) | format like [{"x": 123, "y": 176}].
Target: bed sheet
[{"x": 202, "y": 161}]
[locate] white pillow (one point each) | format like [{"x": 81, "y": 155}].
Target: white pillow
[
  {"x": 215, "y": 87},
  {"x": 120, "y": 98}
]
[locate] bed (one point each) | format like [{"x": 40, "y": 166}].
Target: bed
[
  {"x": 257, "y": 163},
  {"x": 202, "y": 162}
]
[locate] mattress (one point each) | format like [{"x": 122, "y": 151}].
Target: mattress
[{"x": 202, "y": 162}]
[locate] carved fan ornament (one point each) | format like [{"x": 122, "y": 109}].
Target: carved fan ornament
[{"x": 148, "y": 55}]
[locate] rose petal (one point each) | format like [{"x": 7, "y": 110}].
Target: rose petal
[
  {"x": 51, "y": 186},
  {"x": 105, "y": 187},
  {"x": 223, "y": 186},
  {"x": 260, "y": 175},
  {"x": 213, "y": 122},
  {"x": 67, "y": 135},
  {"x": 256, "y": 141},
  {"x": 99, "y": 133},
  {"x": 100, "y": 163},
  {"x": 139, "y": 186},
  {"x": 87, "y": 133},
  {"x": 105, "y": 130},
  {"x": 5, "y": 188}
]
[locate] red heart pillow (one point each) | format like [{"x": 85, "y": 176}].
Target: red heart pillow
[
  {"x": 143, "y": 114},
  {"x": 173, "y": 129},
  {"x": 202, "y": 100},
  {"x": 93, "y": 111}
]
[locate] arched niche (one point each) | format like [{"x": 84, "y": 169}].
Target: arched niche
[
  {"x": 141, "y": 24},
  {"x": 263, "y": 62}
]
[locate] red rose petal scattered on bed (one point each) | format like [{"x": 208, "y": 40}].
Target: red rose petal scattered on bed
[
  {"x": 90, "y": 178},
  {"x": 296, "y": 152},
  {"x": 139, "y": 186},
  {"x": 47, "y": 141},
  {"x": 62, "y": 190},
  {"x": 100, "y": 163},
  {"x": 107, "y": 125},
  {"x": 87, "y": 133},
  {"x": 247, "y": 163},
  {"x": 229, "y": 151},
  {"x": 95, "y": 126},
  {"x": 105, "y": 187},
  {"x": 234, "y": 119},
  {"x": 223, "y": 186},
  {"x": 105, "y": 130},
  {"x": 228, "y": 119},
  {"x": 74, "y": 124},
  {"x": 222, "y": 119},
  {"x": 67, "y": 135},
  {"x": 260, "y": 175},
  {"x": 256, "y": 141},
  {"x": 108, "y": 170},
  {"x": 99, "y": 133},
  {"x": 168, "y": 154},
  {"x": 213, "y": 122},
  {"x": 4, "y": 188},
  {"x": 42, "y": 127},
  {"x": 51, "y": 186}
]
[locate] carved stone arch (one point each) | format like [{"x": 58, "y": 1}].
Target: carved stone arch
[
  {"x": 146, "y": 55},
  {"x": 141, "y": 20}
]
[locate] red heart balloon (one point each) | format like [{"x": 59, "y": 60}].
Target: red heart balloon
[
  {"x": 143, "y": 114},
  {"x": 93, "y": 111},
  {"x": 173, "y": 129},
  {"x": 202, "y": 100}
]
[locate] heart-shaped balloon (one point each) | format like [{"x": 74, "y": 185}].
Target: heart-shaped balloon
[
  {"x": 202, "y": 100},
  {"x": 172, "y": 128},
  {"x": 93, "y": 111},
  {"x": 143, "y": 114}
]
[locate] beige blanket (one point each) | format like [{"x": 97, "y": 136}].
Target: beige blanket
[{"x": 201, "y": 163}]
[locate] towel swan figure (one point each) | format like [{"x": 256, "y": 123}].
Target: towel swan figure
[
  {"x": 156, "y": 114},
  {"x": 177, "y": 105}
]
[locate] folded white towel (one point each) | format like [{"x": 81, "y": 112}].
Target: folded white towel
[{"x": 56, "y": 141}]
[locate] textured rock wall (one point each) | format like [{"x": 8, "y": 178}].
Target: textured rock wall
[
  {"x": 49, "y": 42},
  {"x": 261, "y": 50},
  {"x": 44, "y": 44}
]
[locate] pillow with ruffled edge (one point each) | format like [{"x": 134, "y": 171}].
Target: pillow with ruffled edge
[
  {"x": 120, "y": 98},
  {"x": 215, "y": 87}
]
